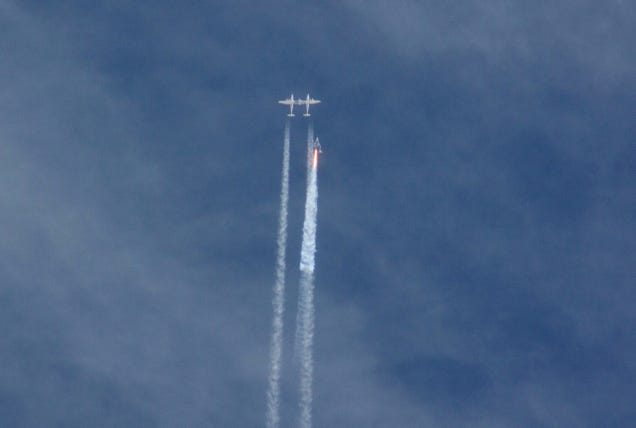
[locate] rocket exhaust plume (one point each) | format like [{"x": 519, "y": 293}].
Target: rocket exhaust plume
[
  {"x": 278, "y": 301},
  {"x": 305, "y": 318}
]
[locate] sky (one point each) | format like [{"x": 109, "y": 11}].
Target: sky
[{"x": 476, "y": 221}]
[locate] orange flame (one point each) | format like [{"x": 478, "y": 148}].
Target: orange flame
[{"x": 315, "y": 162}]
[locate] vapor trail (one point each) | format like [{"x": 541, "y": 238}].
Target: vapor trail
[
  {"x": 276, "y": 344},
  {"x": 310, "y": 147},
  {"x": 299, "y": 321},
  {"x": 305, "y": 320}
]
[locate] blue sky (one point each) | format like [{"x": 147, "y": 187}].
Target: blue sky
[{"x": 475, "y": 261}]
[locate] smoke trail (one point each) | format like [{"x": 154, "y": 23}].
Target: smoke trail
[
  {"x": 276, "y": 345},
  {"x": 310, "y": 147},
  {"x": 299, "y": 321},
  {"x": 306, "y": 297}
]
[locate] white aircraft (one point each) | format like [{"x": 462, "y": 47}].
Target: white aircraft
[
  {"x": 290, "y": 102},
  {"x": 317, "y": 145},
  {"x": 307, "y": 102}
]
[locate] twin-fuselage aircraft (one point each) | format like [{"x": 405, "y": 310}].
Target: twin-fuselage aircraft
[{"x": 291, "y": 102}]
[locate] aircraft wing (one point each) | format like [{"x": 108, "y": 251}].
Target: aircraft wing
[{"x": 286, "y": 102}]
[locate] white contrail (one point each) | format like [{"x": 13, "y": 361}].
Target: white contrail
[
  {"x": 310, "y": 147},
  {"x": 298, "y": 337},
  {"x": 278, "y": 301},
  {"x": 306, "y": 297}
]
